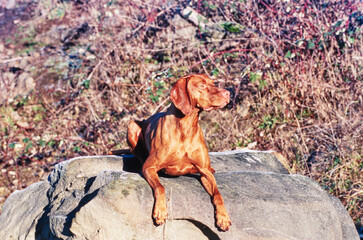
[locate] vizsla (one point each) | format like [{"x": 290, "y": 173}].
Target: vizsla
[{"x": 173, "y": 142}]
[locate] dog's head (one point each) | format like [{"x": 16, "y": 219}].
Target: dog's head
[{"x": 198, "y": 91}]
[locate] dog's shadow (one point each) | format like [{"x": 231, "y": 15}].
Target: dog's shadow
[{"x": 132, "y": 164}]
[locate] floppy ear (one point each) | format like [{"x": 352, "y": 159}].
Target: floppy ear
[{"x": 179, "y": 96}]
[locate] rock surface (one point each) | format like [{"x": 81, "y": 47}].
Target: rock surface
[{"x": 104, "y": 197}]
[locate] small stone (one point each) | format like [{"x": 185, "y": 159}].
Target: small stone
[
  {"x": 36, "y": 54},
  {"x": 10, "y": 4},
  {"x": 23, "y": 124}
]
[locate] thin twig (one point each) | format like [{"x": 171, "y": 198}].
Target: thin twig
[
  {"x": 161, "y": 104},
  {"x": 219, "y": 53},
  {"x": 11, "y": 60}
]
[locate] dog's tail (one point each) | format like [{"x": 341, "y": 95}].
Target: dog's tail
[
  {"x": 134, "y": 130},
  {"x": 120, "y": 152}
]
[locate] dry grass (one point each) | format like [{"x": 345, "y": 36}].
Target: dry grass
[{"x": 295, "y": 68}]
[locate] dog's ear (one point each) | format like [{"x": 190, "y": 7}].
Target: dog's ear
[{"x": 180, "y": 97}]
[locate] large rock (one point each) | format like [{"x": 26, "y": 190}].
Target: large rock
[{"x": 104, "y": 197}]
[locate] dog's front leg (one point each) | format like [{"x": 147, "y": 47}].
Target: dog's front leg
[
  {"x": 222, "y": 219},
  {"x": 151, "y": 176}
]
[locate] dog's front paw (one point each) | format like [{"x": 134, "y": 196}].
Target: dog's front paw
[
  {"x": 160, "y": 214},
  {"x": 223, "y": 221}
]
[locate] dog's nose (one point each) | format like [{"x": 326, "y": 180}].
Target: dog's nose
[{"x": 226, "y": 94}]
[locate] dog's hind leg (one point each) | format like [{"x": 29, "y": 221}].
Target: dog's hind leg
[{"x": 133, "y": 134}]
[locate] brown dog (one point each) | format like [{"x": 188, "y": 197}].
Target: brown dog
[{"x": 173, "y": 142}]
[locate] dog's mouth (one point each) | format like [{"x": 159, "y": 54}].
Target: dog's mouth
[{"x": 210, "y": 108}]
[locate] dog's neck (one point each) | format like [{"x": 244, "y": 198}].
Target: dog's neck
[{"x": 181, "y": 117}]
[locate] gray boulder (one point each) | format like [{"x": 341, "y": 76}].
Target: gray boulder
[{"x": 104, "y": 197}]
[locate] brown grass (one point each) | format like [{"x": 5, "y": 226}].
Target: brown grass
[{"x": 295, "y": 69}]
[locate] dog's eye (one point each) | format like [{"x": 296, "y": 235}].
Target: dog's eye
[{"x": 202, "y": 86}]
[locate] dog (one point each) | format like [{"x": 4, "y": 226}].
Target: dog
[{"x": 173, "y": 142}]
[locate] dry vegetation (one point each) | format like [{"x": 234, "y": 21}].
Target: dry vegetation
[{"x": 294, "y": 68}]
